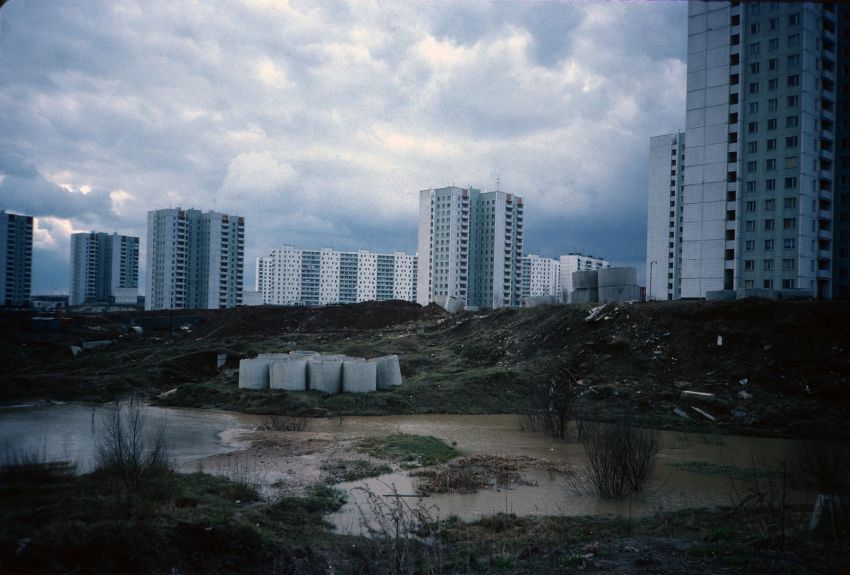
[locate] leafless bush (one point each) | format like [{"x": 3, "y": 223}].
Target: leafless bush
[
  {"x": 761, "y": 504},
  {"x": 825, "y": 468},
  {"x": 620, "y": 458},
  {"x": 404, "y": 537},
  {"x": 283, "y": 423},
  {"x": 132, "y": 448},
  {"x": 33, "y": 466}
]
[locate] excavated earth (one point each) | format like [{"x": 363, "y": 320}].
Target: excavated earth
[{"x": 751, "y": 366}]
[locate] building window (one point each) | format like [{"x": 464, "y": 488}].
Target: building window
[
  {"x": 770, "y": 164},
  {"x": 751, "y": 206},
  {"x": 768, "y": 225},
  {"x": 773, "y": 64},
  {"x": 792, "y": 80},
  {"x": 769, "y": 205},
  {"x": 767, "y": 284},
  {"x": 751, "y": 186},
  {"x": 773, "y": 84},
  {"x": 749, "y": 245},
  {"x": 768, "y": 245},
  {"x": 794, "y": 19},
  {"x": 790, "y": 203},
  {"x": 752, "y": 147},
  {"x": 793, "y": 61},
  {"x": 750, "y": 225},
  {"x": 767, "y": 265},
  {"x": 787, "y": 284},
  {"x": 792, "y": 121},
  {"x": 788, "y": 264},
  {"x": 754, "y": 88},
  {"x": 773, "y": 44},
  {"x": 773, "y": 24},
  {"x": 771, "y": 144},
  {"x": 772, "y": 104},
  {"x": 793, "y": 40},
  {"x": 754, "y": 49},
  {"x": 789, "y": 223},
  {"x": 753, "y": 107},
  {"x": 792, "y": 101},
  {"x": 789, "y": 243},
  {"x": 770, "y": 184},
  {"x": 752, "y": 166},
  {"x": 754, "y": 28},
  {"x": 749, "y": 265},
  {"x": 790, "y": 184},
  {"x": 771, "y": 124},
  {"x": 791, "y": 142}
]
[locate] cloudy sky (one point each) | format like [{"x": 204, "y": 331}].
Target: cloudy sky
[{"x": 320, "y": 121}]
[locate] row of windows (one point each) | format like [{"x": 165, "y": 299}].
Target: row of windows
[
  {"x": 770, "y": 204},
  {"x": 787, "y": 244},
  {"x": 788, "y": 265},
  {"x": 773, "y": 124},
  {"x": 770, "y": 224}
]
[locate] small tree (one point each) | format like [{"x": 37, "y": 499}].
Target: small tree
[
  {"x": 620, "y": 457},
  {"x": 131, "y": 448}
]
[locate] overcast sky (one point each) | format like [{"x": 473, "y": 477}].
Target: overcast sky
[{"x": 320, "y": 121}]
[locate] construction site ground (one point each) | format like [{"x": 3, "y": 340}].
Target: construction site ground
[{"x": 745, "y": 367}]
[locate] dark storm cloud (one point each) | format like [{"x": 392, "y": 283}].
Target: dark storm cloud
[{"x": 320, "y": 121}]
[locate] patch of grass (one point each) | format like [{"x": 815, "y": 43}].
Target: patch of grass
[
  {"x": 306, "y": 512},
  {"x": 412, "y": 449},
  {"x": 739, "y": 473},
  {"x": 352, "y": 470}
]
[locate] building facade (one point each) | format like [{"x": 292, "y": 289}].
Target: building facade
[
  {"x": 765, "y": 180},
  {"x": 104, "y": 268},
  {"x": 664, "y": 217},
  {"x": 576, "y": 262},
  {"x": 16, "y": 253},
  {"x": 292, "y": 276},
  {"x": 470, "y": 247},
  {"x": 540, "y": 277},
  {"x": 194, "y": 260}
]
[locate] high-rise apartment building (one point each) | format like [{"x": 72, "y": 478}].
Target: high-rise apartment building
[
  {"x": 470, "y": 247},
  {"x": 104, "y": 268},
  {"x": 664, "y": 218},
  {"x": 765, "y": 171},
  {"x": 291, "y": 276},
  {"x": 576, "y": 263},
  {"x": 540, "y": 277},
  {"x": 194, "y": 259},
  {"x": 16, "y": 262}
]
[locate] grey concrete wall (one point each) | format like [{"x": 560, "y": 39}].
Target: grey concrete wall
[
  {"x": 586, "y": 279},
  {"x": 590, "y": 295},
  {"x": 613, "y": 277}
]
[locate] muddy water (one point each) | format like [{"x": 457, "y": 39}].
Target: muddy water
[
  {"x": 669, "y": 488},
  {"x": 73, "y": 431}
]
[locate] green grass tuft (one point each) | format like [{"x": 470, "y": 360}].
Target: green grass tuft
[{"x": 411, "y": 449}]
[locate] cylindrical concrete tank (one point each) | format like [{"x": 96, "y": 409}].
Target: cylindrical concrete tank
[
  {"x": 618, "y": 293},
  {"x": 585, "y": 279},
  {"x": 388, "y": 371},
  {"x": 254, "y": 373},
  {"x": 610, "y": 277},
  {"x": 333, "y": 357},
  {"x": 584, "y": 296},
  {"x": 324, "y": 375},
  {"x": 288, "y": 374},
  {"x": 358, "y": 376}
]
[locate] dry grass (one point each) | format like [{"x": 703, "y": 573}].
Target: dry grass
[{"x": 469, "y": 474}]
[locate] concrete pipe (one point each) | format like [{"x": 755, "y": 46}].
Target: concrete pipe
[
  {"x": 290, "y": 374},
  {"x": 324, "y": 375},
  {"x": 388, "y": 371},
  {"x": 254, "y": 373},
  {"x": 358, "y": 376}
]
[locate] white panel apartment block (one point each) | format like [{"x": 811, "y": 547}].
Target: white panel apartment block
[
  {"x": 194, "y": 259},
  {"x": 104, "y": 268},
  {"x": 470, "y": 246},
  {"x": 763, "y": 185},
  {"x": 288, "y": 277},
  {"x": 664, "y": 216},
  {"x": 540, "y": 277}
]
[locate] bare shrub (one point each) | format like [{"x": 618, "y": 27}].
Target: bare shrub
[
  {"x": 824, "y": 467},
  {"x": 555, "y": 398},
  {"x": 620, "y": 458},
  {"x": 283, "y": 423},
  {"x": 761, "y": 504},
  {"x": 132, "y": 448},
  {"x": 33, "y": 466}
]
